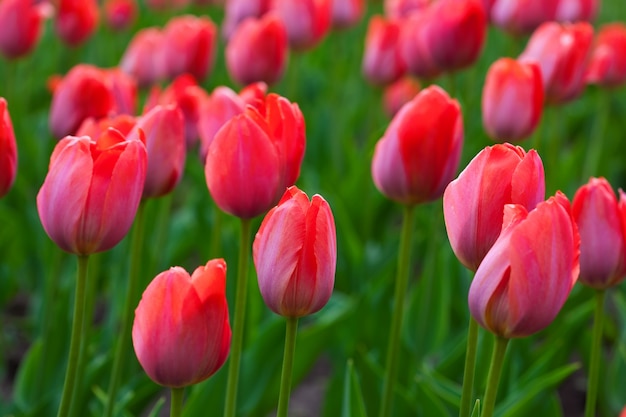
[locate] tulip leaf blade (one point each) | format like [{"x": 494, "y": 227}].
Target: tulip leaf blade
[{"x": 353, "y": 402}]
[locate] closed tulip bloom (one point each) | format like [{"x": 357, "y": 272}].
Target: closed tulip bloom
[
  {"x": 8, "y": 150},
  {"x": 473, "y": 204},
  {"x": 20, "y": 27},
  {"x": 93, "y": 128},
  {"x": 601, "y": 223},
  {"x": 520, "y": 17},
  {"x": 124, "y": 90},
  {"x": 382, "y": 59},
  {"x": 397, "y": 9},
  {"x": 512, "y": 100},
  {"x": 217, "y": 109},
  {"x": 181, "y": 332},
  {"x": 143, "y": 58},
  {"x": 415, "y": 48},
  {"x": 306, "y": 21},
  {"x": 577, "y": 10},
  {"x": 347, "y": 13},
  {"x": 525, "y": 278},
  {"x": 399, "y": 93},
  {"x": 419, "y": 153},
  {"x": 295, "y": 255},
  {"x": 120, "y": 14},
  {"x": 90, "y": 196},
  {"x": 76, "y": 20},
  {"x": 236, "y": 11},
  {"x": 607, "y": 66},
  {"x": 258, "y": 50}
]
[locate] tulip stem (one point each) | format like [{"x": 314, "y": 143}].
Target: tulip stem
[
  {"x": 285, "y": 379},
  {"x": 241, "y": 290},
  {"x": 73, "y": 363},
  {"x": 122, "y": 346},
  {"x": 596, "y": 346},
  {"x": 468, "y": 373},
  {"x": 493, "y": 380},
  {"x": 176, "y": 402},
  {"x": 402, "y": 279}
]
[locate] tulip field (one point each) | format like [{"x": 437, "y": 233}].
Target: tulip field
[{"x": 303, "y": 220}]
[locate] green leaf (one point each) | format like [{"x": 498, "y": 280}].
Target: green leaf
[
  {"x": 353, "y": 403},
  {"x": 157, "y": 407},
  {"x": 476, "y": 409}
]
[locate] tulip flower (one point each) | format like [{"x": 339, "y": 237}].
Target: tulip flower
[
  {"x": 94, "y": 128},
  {"x": 119, "y": 14},
  {"x": 20, "y": 27},
  {"x": 576, "y": 10},
  {"x": 382, "y": 60},
  {"x": 419, "y": 153},
  {"x": 143, "y": 57},
  {"x": 399, "y": 93},
  {"x": 217, "y": 109},
  {"x": 473, "y": 204},
  {"x": 306, "y": 21},
  {"x": 519, "y": 17},
  {"x": 181, "y": 332},
  {"x": 236, "y": 11},
  {"x": 607, "y": 65},
  {"x": 76, "y": 20},
  {"x": 8, "y": 150},
  {"x": 398, "y": 9},
  {"x": 257, "y": 50},
  {"x": 347, "y": 13},
  {"x": 512, "y": 100},
  {"x": 89, "y": 198},
  {"x": 415, "y": 49}
]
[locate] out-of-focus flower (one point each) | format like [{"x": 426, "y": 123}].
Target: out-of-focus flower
[
  {"x": 576, "y": 10},
  {"x": 94, "y": 128},
  {"x": 520, "y": 17},
  {"x": 120, "y": 14},
  {"x": 397, "y": 9},
  {"x": 415, "y": 48},
  {"x": 347, "y": 13},
  {"x": 419, "y": 153},
  {"x": 512, "y": 100},
  {"x": 382, "y": 60},
  {"x": 399, "y": 93},
  {"x": 236, "y": 11},
  {"x": 143, "y": 58},
  {"x": 20, "y": 27},
  {"x": 306, "y": 21},
  {"x": 181, "y": 332},
  {"x": 8, "y": 150},
  {"x": 607, "y": 66},
  {"x": 76, "y": 20},
  {"x": 221, "y": 106},
  {"x": 90, "y": 196}
]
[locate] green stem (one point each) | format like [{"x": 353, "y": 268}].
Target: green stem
[
  {"x": 493, "y": 380},
  {"x": 468, "y": 373},
  {"x": 593, "y": 156},
  {"x": 239, "y": 319},
  {"x": 285, "y": 378},
  {"x": 123, "y": 343},
  {"x": 176, "y": 402},
  {"x": 594, "y": 366},
  {"x": 73, "y": 363},
  {"x": 402, "y": 280}
]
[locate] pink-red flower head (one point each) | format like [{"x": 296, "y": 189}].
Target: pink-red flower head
[
  {"x": 607, "y": 66},
  {"x": 382, "y": 59},
  {"x": 20, "y": 26},
  {"x": 76, "y": 20},
  {"x": 8, "y": 150}
]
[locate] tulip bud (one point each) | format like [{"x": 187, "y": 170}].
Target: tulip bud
[
  {"x": 419, "y": 153},
  {"x": 398, "y": 9},
  {"x": 236, "y": 11},
  {"x": 295, "y": 255},
  {"x": 399, "y": 93},
  {"x": 576, "y": 10},
  {"x": 347, "y": 13},
  {"x": 607, "y": 66},
  {"x": 119, "y": 14},
  {"x": 181, "y": 332},
  {"x": 143, "y": 57},
  {"x": 519, "y": 17},
  {"x": 20, "y": 27},
  {"x": 382, "y": 61},
  {"x": 76, "y": 20},
  {"x": 306, "y": 21},
  {"x": 415, "y": 48},
  {"x": 8, "y": 150},
  {"x": 217, "y": 109}
]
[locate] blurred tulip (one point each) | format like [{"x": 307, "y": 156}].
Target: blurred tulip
[
  {"x": 602, "y": 226},
  {"x": 8, "y": 150},
  {"x": 167, "y": 4},
  {"x": 562, "y": 52},
  {"x": 399, "y": 93},
  {"x": 512, "y": 100},
  {"x": 181, "y": 332},
  {"x": 120, "y": 14},
  {"x": 576, "y": 10},
  {"x": 306, "y": 21},
  {"x": 347, "y": 13},
  {"x": 236, "y": 11},
  {"x": 473, "y": 204},
  {"x": 257, "y": 50},
  {"x": 94, "y": 128},
  {"x": 397, "y": 9},
  {"x": 419, "y": 153},
  {"x": 76, "y": 20},
  {"x": 189, "y": 44},
  {"x": 89, "y": 198},
  {"x": 253, "y": 93},
  {"x": 255, "y": 156},
  {"x": 525, "y": 278},
  {"x": 623, "y": 413},
  {"x": 20, "y": 27},
  {"x": 221, "y": 106},
  {"x": 382, "y": 60},
  {"x": 519, "y": 17},
  {"x": 415, "y": 49},
  {"x": 143, "y": 57},
  {"x": 124, "y": 90},
  {"x": 607, "y": 66},
  {"x": 295, "y": 255}
]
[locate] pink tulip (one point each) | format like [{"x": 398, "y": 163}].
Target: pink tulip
[
  {"x": 576, "y": 10},
  {"x": 181, "y": 332},
  {"x": 254, "y": 93},
  {"x": 473, "y": 204},
  {"x": 124, "y": 90},
  {"x": 398, "y": 9},
  {"x": 382, "y": 61},
  {"x": 347, "y": 13},
  {"x": 512, "y": 100},
  {"x": 258, "y": 50},
  {"x": 20, "y": 27},
  {"x": 93, "y": 128},
  {"x": 76, "y": 20},
  {"x": 306, "y": 21},
  {"x": 221, "y": 106},
  {"x": 143, "y": 57},
  {"x": 399, "y": 93},
  {"x": 601, "y": 222},
  {"x": 607, "y": 66},
  {"x": 522, "y": 16},
  {"x": 89, "y": 198},
  {"x": 419, "y": 153},
  {"x": 8, "y": 150},
  {"x": 236, "y": 11},
  {"x": 120, "y": 14},
  {"x": 415, "y": 47},
  {"x": 295, "y": 254},
  {"x": 525, "y": 278}
]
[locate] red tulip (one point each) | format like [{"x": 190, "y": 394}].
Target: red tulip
[
  {"x": 93, "y": 128},
  {"x": 20, "y": 27},
  {"x": 181, "y": 332},
  {"x": 522, "y": 16},
  {"x": 601, "y": 222},
  {"x": 415, "y": 47},
  {"x": 419, "y": 153},
  {"x": 347, "y": 13},
  {"x": 295, "y": 254},
  {"x": 119, "y": 14},
  {"x": 258, "y": 50},
  {"x": 473, "y": 204},
  {"x": 254, "y": 93},
  {"x": 607, "y": 66},
  {"x": 529, "y": 272},
  {"x": 143, "y": 57},
  {"x": 76, "y": 20},
  {"x": 221, "y": 106},
  {"x": 576, "y": 10},
  {"x": 236, "y": 11},
  {"x": 399, "y": 93},
  {"x": 512, "y": 100},
  {"x": 124, "y": 89},
  {"x": 562, "y": 52},
  {"x": 307, "y": 21},
  {"x": 8, "y": 150},
  {"x": 90, "y": 196},
  {"x": 382, "y": 60},
  {"x": 397, "y": 9}
]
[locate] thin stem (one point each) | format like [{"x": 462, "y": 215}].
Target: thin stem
[
  {"x": 468, "y": 373},
  {"x": 493, "y": 380},
  {"x": 593, "y": 156},
  {"x": 123, "y": 343},
  {"x": 176, "y": 402},
  {"x": 402, "y": 280},
  {"x": 239, "y": 319},
  {"x": 73, "y": 363},
  {"x": 596, "y": 346},
  {"x": 285, "y": 378}
]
